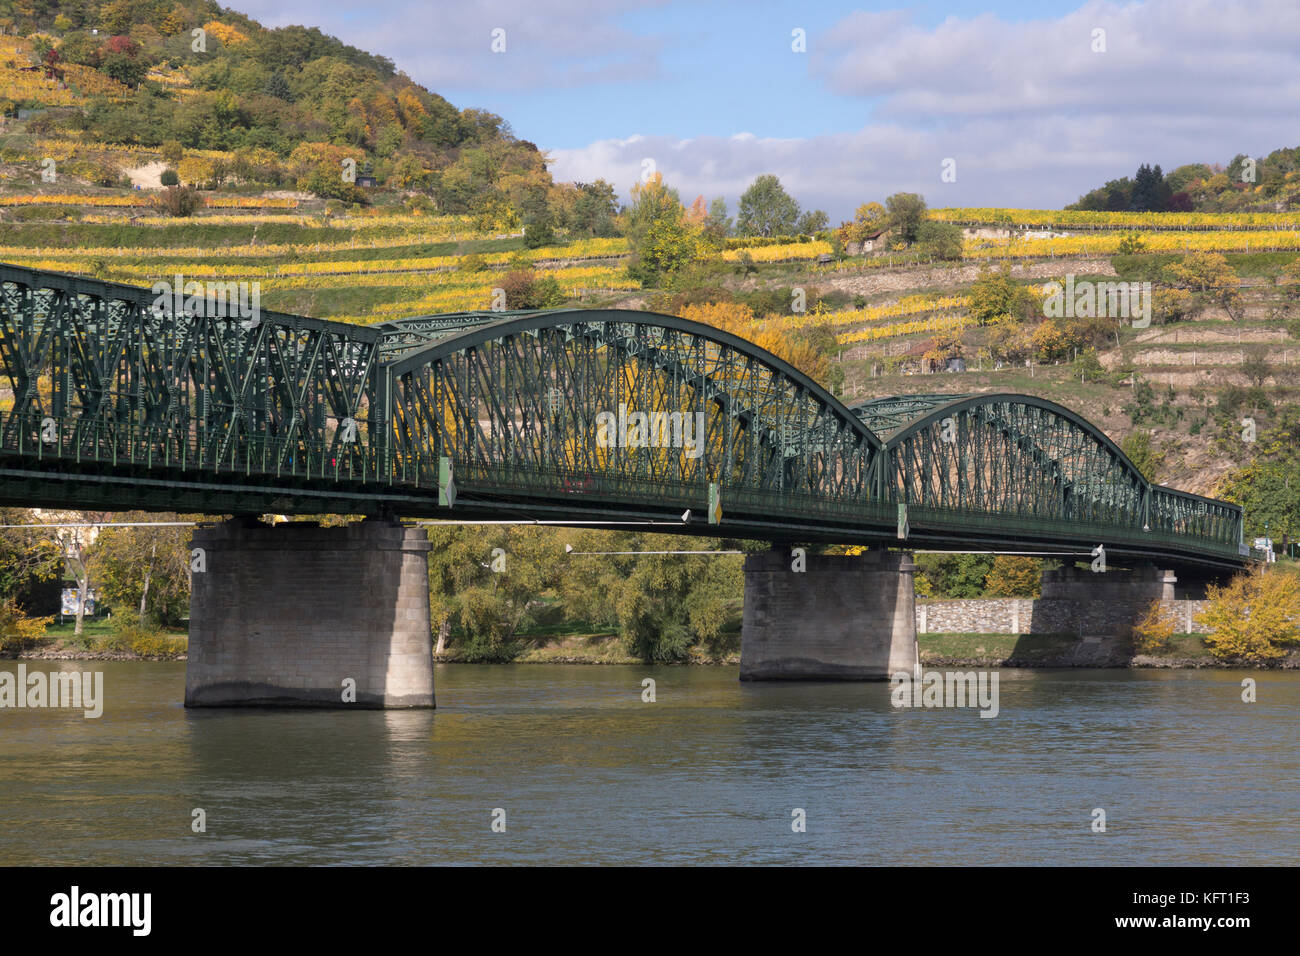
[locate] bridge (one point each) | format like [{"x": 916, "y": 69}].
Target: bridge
[{"x": 123, "y": 398}]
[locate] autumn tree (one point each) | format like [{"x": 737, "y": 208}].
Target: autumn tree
[
  {"x": 1209, "y": 278},
  {"x": 870, "y": 218},
  {"x": 1254, "y": 616},
  {"x": 661, "y": 240},
  {"x": 1014, "y": 575},
  {"x": 1151, "y": 632},
  {"x": 995, "y": 295}
]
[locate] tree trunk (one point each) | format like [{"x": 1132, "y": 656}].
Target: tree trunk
[
  {"x": 444, "y": 630},
  {"x": 144, "y": 595},
  {"x": 82, "y": 588}
]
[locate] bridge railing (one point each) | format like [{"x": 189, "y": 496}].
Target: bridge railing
[
  {"x": 212, "y": 450},
  {"x": 998, "y": 524},
  {"x": 94, "y": 442}
]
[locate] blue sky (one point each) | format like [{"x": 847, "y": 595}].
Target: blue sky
[{"x": 1016, "y": 93}]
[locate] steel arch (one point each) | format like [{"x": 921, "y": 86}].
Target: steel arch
[{"x": 517, "y": 404}]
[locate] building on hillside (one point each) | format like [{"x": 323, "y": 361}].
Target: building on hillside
[{"x": 868, "y": 243}]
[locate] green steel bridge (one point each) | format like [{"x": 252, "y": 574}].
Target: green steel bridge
[{"x": 113, "y": 398}]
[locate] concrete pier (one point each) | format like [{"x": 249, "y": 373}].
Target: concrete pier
[
  {"x": 845, "y": 617},
  {"x": 296, "y": 615}
]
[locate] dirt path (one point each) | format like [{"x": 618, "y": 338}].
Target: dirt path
[{"x": 148, "y": 176}]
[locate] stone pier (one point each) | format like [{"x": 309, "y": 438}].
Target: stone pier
[
  {"x": 288, "y": 615},
  {"x": 845, "y": 617}
]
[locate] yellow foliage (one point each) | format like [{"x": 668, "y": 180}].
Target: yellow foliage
[
  {"x": 17, "y": 629},
  {"x": 195, "y": 171},
  {"x": 228, "y": 35},
  {"x": 1153, "y": 630},
  {"x": 1253, "y": 616}
]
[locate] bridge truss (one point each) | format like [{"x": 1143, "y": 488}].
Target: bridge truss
[{"x": 111, "y": 398}]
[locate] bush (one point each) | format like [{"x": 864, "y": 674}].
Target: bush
[
  {"x": 1152, "y": 632},
  {"x": 473, "y": 263},
  {"x": 525, "y": 290},
  {"x": 1253, "y": 616},
  {"x": 144, "y": 641},
  {"x": 170, "y": 178},
  {"x": 178, "y": 201},
  {"x": 17, "y": 630}
]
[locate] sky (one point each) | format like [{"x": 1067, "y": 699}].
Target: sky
[{"x": 1020, "y": 104}]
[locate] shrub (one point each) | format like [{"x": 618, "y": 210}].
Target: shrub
[
  {"x": 940, "y": 240},
  {"x": 17, "y": 629},
  {"x": 473, "y": 263},
  {"x": 1152, "y": 632},
  {"x": 144, "y": 641},
  {"x": 525, "y": 290},
  {"x": 178, "y": 201},
  {"x": 170, "y": 178},
  {"x": 1253, "y": 616}
]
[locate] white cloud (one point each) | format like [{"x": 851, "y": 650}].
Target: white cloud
[
  {"x": 449, "y": 45},
  {"x": 1032, "y": 116}
]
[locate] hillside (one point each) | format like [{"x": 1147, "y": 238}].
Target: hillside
[
  {"x": 455, "y": 210},
  {"x": 113, "y": 93}
]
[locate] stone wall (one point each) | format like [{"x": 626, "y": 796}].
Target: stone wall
[
  {"x": 284, "y": 614},
  {"x": 1047, "y": 616}
]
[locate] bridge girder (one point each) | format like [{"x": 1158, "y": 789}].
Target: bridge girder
[{"x": 116, "y": 398}]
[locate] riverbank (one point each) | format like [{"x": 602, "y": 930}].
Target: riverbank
[{"x": 1185, "y": 652}]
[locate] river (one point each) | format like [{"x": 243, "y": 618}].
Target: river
[{"x": 711, "y": 772}]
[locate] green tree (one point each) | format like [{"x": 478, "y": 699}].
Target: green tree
[
  {"x": 955, "y": 575},
  {"x": 1139, "y": 448},
  {"x": 811, "y": 221},
  {"x": 145, "y": 570},
  {"x": 994, "y": 295},
  {"x": 1268, "y": 486},
  {"x": 766, "y": 209},
  {"x": 484, "y": 586},
  {"x": 906, "y": 213},
  {"x": 594, "y": 211},
  {"x": 663, "y": 605},
  {"x": 942, "y": 240},
  {"x": 27, "y": 553}
]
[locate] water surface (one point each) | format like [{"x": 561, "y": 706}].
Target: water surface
[{"x": 709, "y": 773}]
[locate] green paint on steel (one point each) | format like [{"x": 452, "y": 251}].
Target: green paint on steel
[{"x": 118, "y": 402}]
